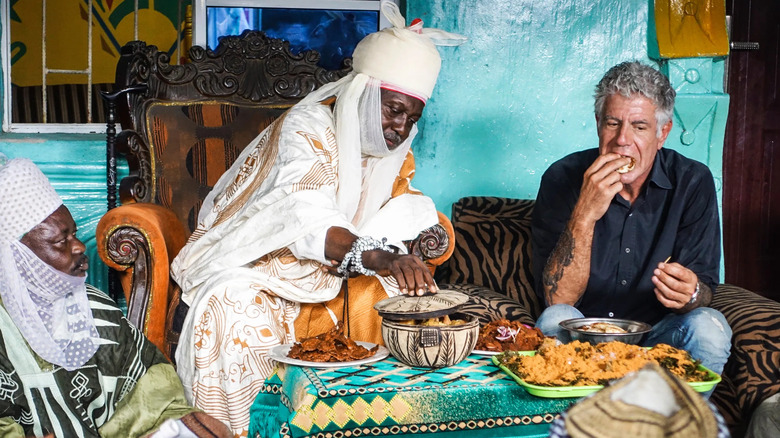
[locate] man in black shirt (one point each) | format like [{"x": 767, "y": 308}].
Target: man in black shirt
[{"x": 631, "y": 230}]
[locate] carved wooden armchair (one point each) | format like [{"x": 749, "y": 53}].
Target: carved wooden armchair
[{"x": 182, "y": 126}]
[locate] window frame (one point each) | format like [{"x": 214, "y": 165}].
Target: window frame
[
  {"x": 30, "y": 128},
  {"x": 199, "y": 8}
]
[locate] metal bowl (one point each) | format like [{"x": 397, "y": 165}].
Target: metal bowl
[{"x": 635, "y": 330}]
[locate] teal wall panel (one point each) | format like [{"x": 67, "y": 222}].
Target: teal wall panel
[
  {"x": 700, "y": 114},
  {"x": 519, "y": 94}
]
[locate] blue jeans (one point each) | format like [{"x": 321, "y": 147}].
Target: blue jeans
[{"x": 703, "y": 332}]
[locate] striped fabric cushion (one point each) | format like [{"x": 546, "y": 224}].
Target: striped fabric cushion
[
  {"x": 752, "y": 373},
  {"x": 488, "y": 305}
]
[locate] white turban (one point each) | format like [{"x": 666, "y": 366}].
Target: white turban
[
  {"x": 404, "y": 57},
  {"x": 26, "y": 198},
  {"x": 49, "y": 308}
]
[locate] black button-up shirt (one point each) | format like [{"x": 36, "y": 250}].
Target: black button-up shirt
[{"x": 675, "y": 215}]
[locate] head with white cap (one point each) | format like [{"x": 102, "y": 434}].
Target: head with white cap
[
  {"x": 378, "y": 104},
  {"x": 43, "y": 268},
  {"x": 405, "y": 63},
  {"x": 33, "y": 213}
]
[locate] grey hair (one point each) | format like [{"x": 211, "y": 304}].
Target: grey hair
[{"x": 631, "y": 78}]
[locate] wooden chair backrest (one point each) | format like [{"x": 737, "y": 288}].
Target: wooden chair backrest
[{"x": 190, "y": 122}]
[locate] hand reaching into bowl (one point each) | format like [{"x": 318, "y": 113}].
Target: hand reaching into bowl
[{"x": 411, "y": 273}]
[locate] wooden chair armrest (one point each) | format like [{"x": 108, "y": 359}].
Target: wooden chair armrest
[
  {"x": 139, "y": 241},
  {"x": 435, "y": 244}
]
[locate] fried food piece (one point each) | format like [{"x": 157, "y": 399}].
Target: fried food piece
[
  {"x": 582, "y": 364},
  {"x": 602, "y": 327},
  {"x": 628, "y": 167},
  {"x": 331, "y": 346},
  {"x": 505, "y": 335}
]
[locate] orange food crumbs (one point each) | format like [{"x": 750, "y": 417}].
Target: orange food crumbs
[{"x": 583, "y": 364}]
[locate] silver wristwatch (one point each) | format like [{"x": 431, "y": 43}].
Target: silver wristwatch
[{"x": 695, "y": 295}]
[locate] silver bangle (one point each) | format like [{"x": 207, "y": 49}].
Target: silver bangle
[
  {"x": 353, "y": 260},
  {"x": 695, "y": 295}
]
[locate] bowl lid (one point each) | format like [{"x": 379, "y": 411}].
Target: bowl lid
[{"x": 429, "y": 305}]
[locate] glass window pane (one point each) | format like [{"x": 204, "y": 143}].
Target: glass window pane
[{"x": 333, "y": 33}]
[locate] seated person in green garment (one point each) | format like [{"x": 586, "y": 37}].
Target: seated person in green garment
[{"x": 71, "y": 365}]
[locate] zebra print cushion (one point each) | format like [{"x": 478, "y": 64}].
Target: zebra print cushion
[
  {"x": 752, "y": 373},
  {"x": 488, "y": 305},
  {"x": 493, "y": 248}
]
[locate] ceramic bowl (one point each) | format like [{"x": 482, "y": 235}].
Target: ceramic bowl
[
  {"x": 635, "y": 330},
  {"x": 431, "y": 346}
]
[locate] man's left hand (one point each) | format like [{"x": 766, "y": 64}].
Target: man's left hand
[{"x": 674, "y": 285}]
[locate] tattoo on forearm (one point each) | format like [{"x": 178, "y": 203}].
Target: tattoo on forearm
[{"x": 562, "y": 256}]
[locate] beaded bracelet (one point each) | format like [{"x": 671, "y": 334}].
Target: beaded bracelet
[{"x": 353, "y": 260}]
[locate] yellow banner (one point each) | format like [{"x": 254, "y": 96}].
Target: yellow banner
[{"x": 65, "y": 38}]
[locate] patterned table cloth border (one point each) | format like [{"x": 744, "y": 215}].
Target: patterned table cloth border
[{"x": 388, "y": 398}]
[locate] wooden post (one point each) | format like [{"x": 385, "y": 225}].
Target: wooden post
[{"x": 114, "y": 289}]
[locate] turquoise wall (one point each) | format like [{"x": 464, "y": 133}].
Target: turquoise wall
[{"x": 519, "y": 94}]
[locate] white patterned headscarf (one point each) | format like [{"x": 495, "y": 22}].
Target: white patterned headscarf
[{"x": 49, "y": 307}]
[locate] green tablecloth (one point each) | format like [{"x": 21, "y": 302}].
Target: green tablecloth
[{"x": 388, "y": 398}]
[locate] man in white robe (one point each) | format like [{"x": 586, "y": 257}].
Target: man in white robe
[{"x": 320, "y": 194}]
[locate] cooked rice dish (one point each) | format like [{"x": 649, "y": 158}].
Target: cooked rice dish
[{"x": 583, "y": 364}]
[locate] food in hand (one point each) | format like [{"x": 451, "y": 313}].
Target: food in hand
[
  {"x": 582, "y": 364},
  {"x": 505, "y": 335},
  {"x": 331, "y": 346},
  {"x": 602, "y": 327},
  {"x": 628, "y": 167}
]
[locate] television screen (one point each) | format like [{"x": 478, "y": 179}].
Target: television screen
[{"x": 333, "y": 33}]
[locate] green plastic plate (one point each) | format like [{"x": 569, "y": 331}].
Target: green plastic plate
[{"x": 582, "y": 391}]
